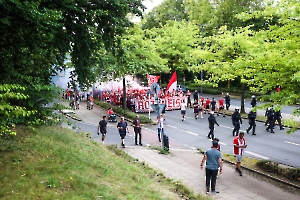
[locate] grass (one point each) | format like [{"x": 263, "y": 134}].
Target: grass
[{"x": 57, "y": 163}]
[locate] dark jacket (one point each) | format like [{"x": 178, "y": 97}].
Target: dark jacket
[
  {"x": 252, "y": 116},
  {"x": 236, "y": 117},
  {"x": 212, "y": 121}
]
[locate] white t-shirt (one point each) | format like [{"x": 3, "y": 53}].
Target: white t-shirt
[{"x": 182, "y": 106}]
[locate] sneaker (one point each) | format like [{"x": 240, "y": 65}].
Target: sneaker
[
  {"x": 240, "y": 173},
  {"x": 218, "y": 114},
  {"x": 247, "y": 131},
  {"x": 141, "y": 144},
  {"x": 253, "y": 134},
  {"x": 182, "y": 119},
  {"x": 224, "y": 116},
  {"x": 207, "y": 191},
  {"x": 215, "y": 192},
  {"x": 208, "y": 137},
  {"x": 202, "y": 117},
  {"x": 282, "y": 128}
]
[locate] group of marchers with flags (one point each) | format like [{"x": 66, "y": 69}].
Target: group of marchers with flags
[
  {"x": 140, "y": 100},
  {"x": 172, "y": 83}
]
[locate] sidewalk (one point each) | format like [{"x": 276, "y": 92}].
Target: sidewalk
[{"x": 183, "y": 164}]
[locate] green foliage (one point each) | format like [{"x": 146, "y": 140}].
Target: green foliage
[
  {"x": 56, "y": 163},
  {"x": 37, "y": 37},
  {"x": 168, "y": 10},
  {"x": 289, "y": 173},
  {"x": 126, "y": 113}
]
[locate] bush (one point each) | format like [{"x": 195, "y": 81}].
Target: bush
[
  {"x": 290, "y": 173},
  {"x": 124, "y": 112}
]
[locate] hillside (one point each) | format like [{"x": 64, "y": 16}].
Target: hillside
[{"x": 56, "y": 163}]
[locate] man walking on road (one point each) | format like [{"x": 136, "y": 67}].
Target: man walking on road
[
  {"x": 137, "y": 130},
  {"x": 239, "y": 145},
  {"x": 211, "y": 121},
  {"x": 227, "y": 101},
  {"x": 236, "y": 121},
  {"x": 123, "y": 129},
  {"x": 213, "y": 160},
  {"x": 102, "y": 128},
  {"x": 183, "y": 109},
  {"x": 252, "y": 124}
]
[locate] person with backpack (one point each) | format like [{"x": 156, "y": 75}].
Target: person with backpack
[
  {"x": 236, "y": 121},
  {"x": 102, "y": 128},
  {"x": 278, "y": 118},
  {"x": 253, "y": 101},
  {"x": 251, "y": 118},
  {"x": 211, "y": 121},
  {"x": 227, "y": 101},
  {"x": 271, "y": 120}
]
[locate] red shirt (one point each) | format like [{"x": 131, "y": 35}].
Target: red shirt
[
  {"x": 207, "y": 102},
  {"x": 238, "y": 141},
  {"x": 221, "y": 102}
]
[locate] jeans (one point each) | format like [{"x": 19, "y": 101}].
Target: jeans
[{"x": 211, "y": 178}]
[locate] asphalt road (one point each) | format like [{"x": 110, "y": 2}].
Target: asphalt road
[{"x": 191, "y": 133}]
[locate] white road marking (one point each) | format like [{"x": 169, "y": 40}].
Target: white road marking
[
  {"x": 257, "y": 155},
  {"x": 222, "y": 143},
  {"x": 192, "y": 133},
  {"x": 292, "y": 143},
  {"x": 226, "y": 127}
]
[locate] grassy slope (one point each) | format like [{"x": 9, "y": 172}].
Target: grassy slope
[{"x": 56, "y": 163}]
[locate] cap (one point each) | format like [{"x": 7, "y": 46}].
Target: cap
[
  {"x": 215, "y": 143},
  {"x": 212, "y": 112},
  {"x": 237, "y": 108}
]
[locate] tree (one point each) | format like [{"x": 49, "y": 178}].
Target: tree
[
  {"x": 262, "y": 59},
  {"x": 175, "y": 41},
  {"x": 173, "y": 10},
  {"x": 36, "y": 37}
]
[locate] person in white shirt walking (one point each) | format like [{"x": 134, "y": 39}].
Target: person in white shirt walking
[{"x": 183, "y": 109}]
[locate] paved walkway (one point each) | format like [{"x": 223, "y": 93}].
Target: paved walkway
[{"x": 183, "y": 164}]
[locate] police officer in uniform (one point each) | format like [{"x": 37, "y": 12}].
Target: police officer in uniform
[
  {"x": 236, "y": 121},
  {"x": 253, "y": 101},
  {"x": 252, "y": 124},
  {"x": 211, "y": 121},
  {"x": 278, "y": 118},
  {"x": 227, "y": 101},
  {"x": 271, "y": 119}
]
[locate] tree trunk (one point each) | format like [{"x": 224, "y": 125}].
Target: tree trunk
[
  {"x": 243, "y": 99},
  {"x": 124, "y": 94}
]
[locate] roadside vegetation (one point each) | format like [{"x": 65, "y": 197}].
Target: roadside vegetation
[{"x": 56, "y": 163}]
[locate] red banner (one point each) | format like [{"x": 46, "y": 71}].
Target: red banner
[{"x": 172, "y": 103}]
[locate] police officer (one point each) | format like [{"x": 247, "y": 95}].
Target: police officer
[
  {"x": 278, "y": 118},
  {"x": 253, "y": 101},
  {"x": 236, "y": 121},
  {"x": 251, "y": 118},
  {"x": 227, "y": 101},
  {"x": 211, "y": 121},
  {"x": 271, "y": 119}
]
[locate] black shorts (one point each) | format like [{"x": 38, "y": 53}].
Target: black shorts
[
  {"x": 183, "y": 112},
  {"x": 196, "y": 110},
  {"x": 122, "y": 135},
  {"x": 103, "y": 132},
  {"x": 221, "y": 108},
  {"x": 213, "y": 108},
  {"x": 207, "y": 107}
]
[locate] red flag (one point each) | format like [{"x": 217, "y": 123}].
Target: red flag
[
  {"x": 152, "y": 79},
  {"x": 172, "y": 83}
]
